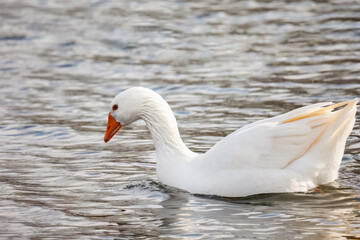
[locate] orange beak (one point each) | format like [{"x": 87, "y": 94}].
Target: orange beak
[{"x": 112, "y": 128}]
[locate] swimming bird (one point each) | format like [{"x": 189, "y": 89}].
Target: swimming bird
[{"x": 293, "y": 152}]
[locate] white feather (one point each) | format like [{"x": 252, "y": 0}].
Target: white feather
[{"x": 292, "y": 152}]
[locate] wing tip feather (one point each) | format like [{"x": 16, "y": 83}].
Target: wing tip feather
[{"x": 321, "y": 110}]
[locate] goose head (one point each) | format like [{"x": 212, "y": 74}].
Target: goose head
[{"x": 125, "y": 108}]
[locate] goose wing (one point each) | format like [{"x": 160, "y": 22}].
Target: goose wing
[{"x": 279, "y": 141}]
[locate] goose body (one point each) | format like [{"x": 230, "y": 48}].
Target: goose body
[{"x": 292, "y": 152}]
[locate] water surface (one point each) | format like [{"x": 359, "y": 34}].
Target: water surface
[{"x": 219, "y": 64}]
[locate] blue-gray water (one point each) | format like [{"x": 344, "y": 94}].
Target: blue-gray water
[{"x": 219, "y": 64}]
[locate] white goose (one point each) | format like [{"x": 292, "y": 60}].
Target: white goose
[{"x": 293, "y": 152}]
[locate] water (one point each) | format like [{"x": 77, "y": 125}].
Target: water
[{"x": 220, "y": 65}]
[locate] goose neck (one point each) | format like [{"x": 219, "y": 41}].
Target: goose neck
[{"x": 164, "y": 130}]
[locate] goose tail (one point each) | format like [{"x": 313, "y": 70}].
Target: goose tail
[{"x": 323, "y": 159}]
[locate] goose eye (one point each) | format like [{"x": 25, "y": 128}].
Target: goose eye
[{"x": 115, "y": 107}]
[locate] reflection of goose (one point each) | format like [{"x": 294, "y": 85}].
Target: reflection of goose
[
  {"x": 293, "y": 152},
  {"x": 261, "y": 215}
]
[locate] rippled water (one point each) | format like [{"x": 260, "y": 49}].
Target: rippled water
[{"x": 220, "y": 65}]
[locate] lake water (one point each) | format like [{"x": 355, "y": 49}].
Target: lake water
[{"x": 219, "y": 64}]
